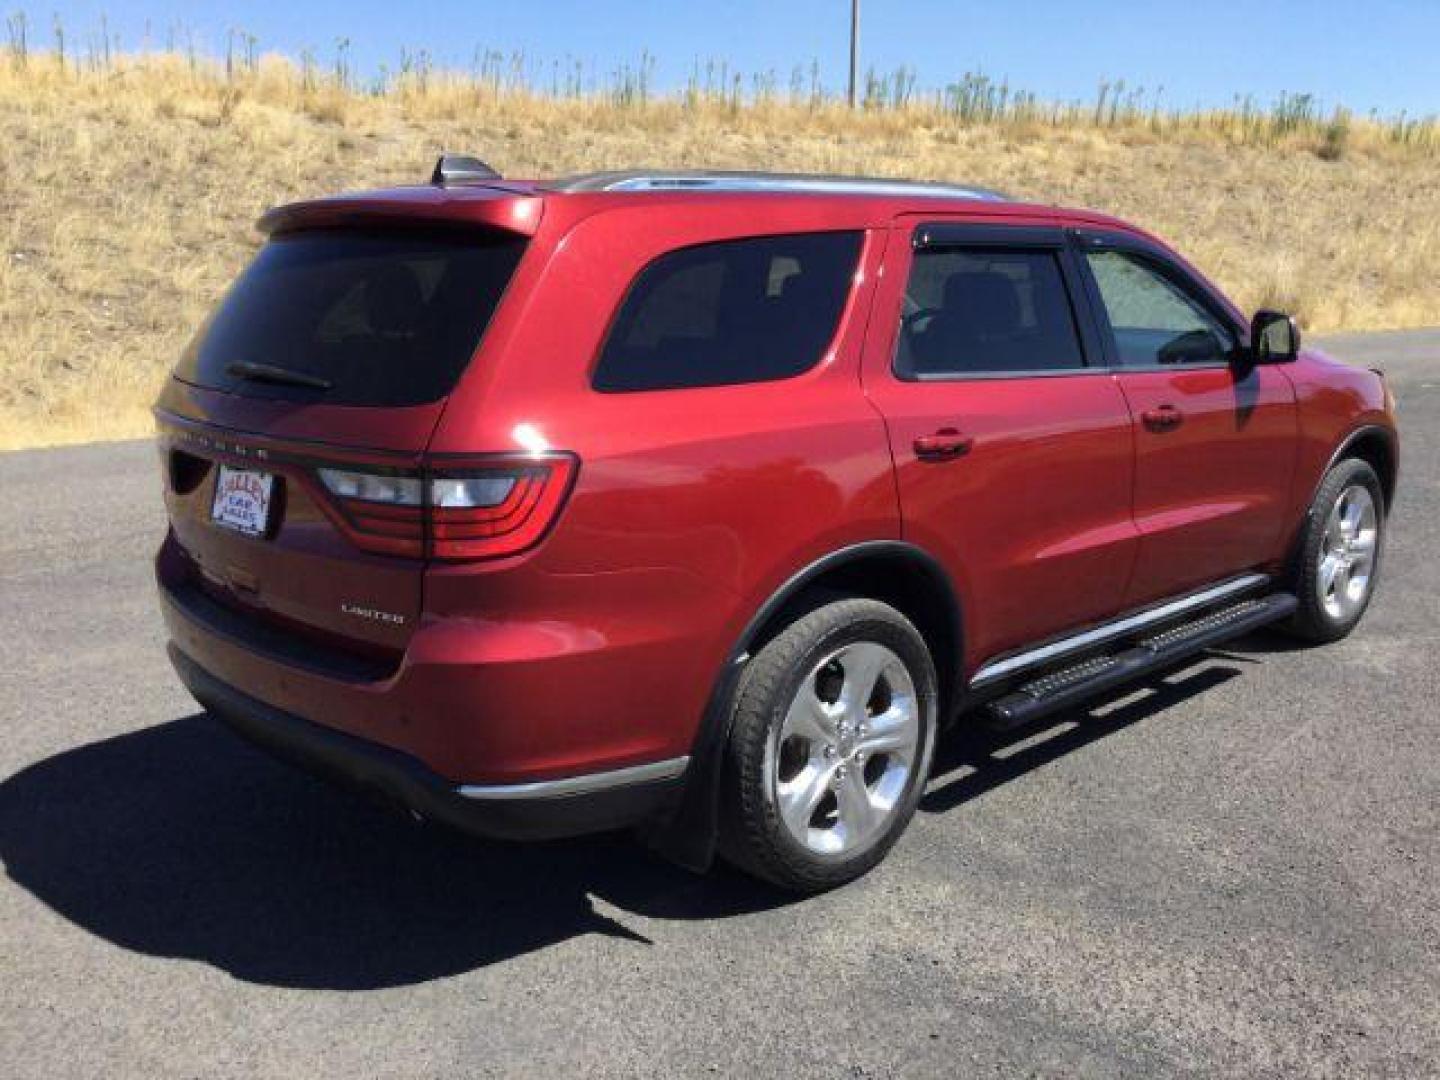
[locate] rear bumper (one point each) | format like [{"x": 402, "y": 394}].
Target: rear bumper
[
  {"x": 542, "y": 680},
  {"x": 570, "y": 806}
]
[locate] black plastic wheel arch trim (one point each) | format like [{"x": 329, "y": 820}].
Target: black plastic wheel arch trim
[{"x": 1364, "y": 431}]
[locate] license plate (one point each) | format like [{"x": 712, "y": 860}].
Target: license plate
[{"x": 242, "y": 500}]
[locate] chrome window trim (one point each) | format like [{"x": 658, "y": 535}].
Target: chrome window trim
[
  {"x": 584, "y": 784},
  {"x": 1170, "y": 369},
  {"x": 996, "y": 376},
  {"x": 996, "y": 669}
]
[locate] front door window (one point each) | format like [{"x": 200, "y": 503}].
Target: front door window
[{"x": 1154, "y": 320}]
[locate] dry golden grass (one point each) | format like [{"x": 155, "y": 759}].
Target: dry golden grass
[{"x": 129, "y": 195}]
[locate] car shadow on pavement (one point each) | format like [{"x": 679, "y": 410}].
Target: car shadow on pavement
[
  {"x": 972, "y": 760},
  {"x": 1262, "y": 642},
  {"x": 180, "y": 840}
]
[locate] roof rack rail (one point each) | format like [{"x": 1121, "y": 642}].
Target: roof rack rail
[
  {"x": 459, "y": 169},
  {"x": 799, "y": 183}
]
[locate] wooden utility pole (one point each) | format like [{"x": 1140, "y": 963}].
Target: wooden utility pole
[{"x": 854, "y": 47}]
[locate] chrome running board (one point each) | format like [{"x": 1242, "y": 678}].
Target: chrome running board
[
  {"x": 1080, "y": 682},
  {"x": 996, "y": 670}
]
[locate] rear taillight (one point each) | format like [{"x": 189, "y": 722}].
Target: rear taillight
[
  {"x": 498, "y": 508},
  {"x": 382, "y": 512},
  {"x": 479, "y": 509}
]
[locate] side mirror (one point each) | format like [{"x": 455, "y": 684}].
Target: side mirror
[{"x": 1274, "y": 337}]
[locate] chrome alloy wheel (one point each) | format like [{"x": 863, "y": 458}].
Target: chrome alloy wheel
[
  {"x": 846, "y": 748},
  {"x": 1347, "y": 561}
]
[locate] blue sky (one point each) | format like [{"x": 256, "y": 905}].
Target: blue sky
[{"x": 1365, "y": 54}]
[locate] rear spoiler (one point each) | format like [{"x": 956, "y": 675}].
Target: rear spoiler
[{"x": 510, "y": 206}]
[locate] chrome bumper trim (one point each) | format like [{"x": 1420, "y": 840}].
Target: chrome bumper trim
[{"x": 584, "y": 784}]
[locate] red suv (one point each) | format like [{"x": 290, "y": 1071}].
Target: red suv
[{"x": 700, "y": 501}]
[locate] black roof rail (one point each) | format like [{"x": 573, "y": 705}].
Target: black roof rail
[{"x": 459, "y": 169}]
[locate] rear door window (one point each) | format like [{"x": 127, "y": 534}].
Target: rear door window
[
  {"x": 738, "y": 311},
  {"x": 986, "y": 311},
  {"x": 379, "y": 318}
]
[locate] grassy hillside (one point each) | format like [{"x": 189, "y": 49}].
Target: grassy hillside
[{"x": 129, "y": 189}]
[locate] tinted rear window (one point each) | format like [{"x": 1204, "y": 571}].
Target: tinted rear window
[
  {"x": 387, "y": 318},
  {"x": 986, "y": 311},
  {"x": 732, "y": 312}
]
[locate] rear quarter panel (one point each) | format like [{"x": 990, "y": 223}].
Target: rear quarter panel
[{"x": 690, "y": 508}]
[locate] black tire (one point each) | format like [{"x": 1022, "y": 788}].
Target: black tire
[
  {"x": 1312, "y": 621},
  {"x": 753, "y": 835}
]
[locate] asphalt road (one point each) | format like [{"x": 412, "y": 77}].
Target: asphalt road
[{"x": 1236, "y": 871}]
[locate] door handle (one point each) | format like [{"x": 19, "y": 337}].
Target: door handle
[
  {"x": 1162, "y": 418},
  {"x": 945, "y": 445}
]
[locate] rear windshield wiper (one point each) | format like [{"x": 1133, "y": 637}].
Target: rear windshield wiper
[{"x": 245, "y": 369}]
